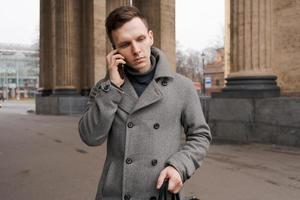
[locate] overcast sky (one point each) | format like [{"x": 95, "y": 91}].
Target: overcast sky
[
  {"x": 19, "y": 21},
  {"x": 198, "y": 22}
]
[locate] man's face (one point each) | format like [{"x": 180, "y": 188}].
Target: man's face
[{"x": 134, "y": 41}]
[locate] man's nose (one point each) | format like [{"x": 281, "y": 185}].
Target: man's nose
[{"x": 135, "y": 48}]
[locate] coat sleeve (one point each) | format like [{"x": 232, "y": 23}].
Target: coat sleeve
[
  {"x": 98, "y": 117},
  {"x": 198, "y": 137}
]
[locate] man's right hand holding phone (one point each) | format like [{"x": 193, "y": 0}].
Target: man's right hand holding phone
[{"x": 114, "y": 61}]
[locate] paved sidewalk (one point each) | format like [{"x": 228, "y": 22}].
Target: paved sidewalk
[{"x": 42, "y": 158}]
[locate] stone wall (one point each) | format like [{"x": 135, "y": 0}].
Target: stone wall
[{"x": 263, "y": 120}]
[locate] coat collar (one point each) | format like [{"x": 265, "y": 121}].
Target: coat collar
[{"x": 163, "y": 67}]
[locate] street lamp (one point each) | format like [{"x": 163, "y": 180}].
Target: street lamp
[{"x": 203, "y": 76}]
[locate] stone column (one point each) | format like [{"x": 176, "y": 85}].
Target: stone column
[
  {"x": 92, "y": 43},
  {"x": 67, "y": 37},
  {"x": 46, "y": 47},
  {"x": 227, "y": 38},
  {"x": 250, "y": 39},
  {"x": 161, "y": 17},
  {"x": 110, "y": 6},
  {"x": 99, "y": 43},
  {"x": 86, "y": 45}
]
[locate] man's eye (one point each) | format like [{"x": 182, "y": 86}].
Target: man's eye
[
  {"x": 124, "y": 45},
  {"x": 141, "y": 38}
]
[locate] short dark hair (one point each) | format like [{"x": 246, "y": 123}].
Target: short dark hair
[{"x": 120, "y": 16}]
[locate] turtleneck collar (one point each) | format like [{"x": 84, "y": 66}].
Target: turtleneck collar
[
  {"x": 141, "y": 77},
  {"x": 138, "y": 80}
]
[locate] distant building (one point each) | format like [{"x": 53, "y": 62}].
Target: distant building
[
  {"x": 19, "y": 70},
  {"x": 214, "y": 74}
]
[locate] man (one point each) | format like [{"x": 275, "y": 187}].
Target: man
[{"x": 140, "y": 108}]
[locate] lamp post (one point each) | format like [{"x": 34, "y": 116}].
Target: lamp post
[{"x": 203, "y": 75}]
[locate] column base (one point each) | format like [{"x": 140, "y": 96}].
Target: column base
[
  {"x": 85, "y": 92},
  {"x": 44, "y": 92},
  {"x": 249, "y": 87},
  {"x": 60, "y": 105},
  {"x": 65, "y": 91}
]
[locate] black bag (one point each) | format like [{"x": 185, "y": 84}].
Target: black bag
[{"x": 163, "y": 192}]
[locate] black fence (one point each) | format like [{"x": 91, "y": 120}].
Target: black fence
[{"x": 204, "y": 100}]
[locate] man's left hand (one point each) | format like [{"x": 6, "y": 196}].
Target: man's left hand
[{"x": 175, "y": 182}]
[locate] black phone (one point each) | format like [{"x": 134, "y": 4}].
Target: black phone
[
  {"x": 121, "y": 70},
  {"x": 120, "y": 67}
]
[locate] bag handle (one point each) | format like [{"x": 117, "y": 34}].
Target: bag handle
[{"x": 163, "y": 192}]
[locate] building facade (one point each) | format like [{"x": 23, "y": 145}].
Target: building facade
[{"x": 19, "y": 71}]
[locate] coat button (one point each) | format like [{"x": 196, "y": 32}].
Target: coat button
[
  {"x": 154, "y": 162},
  {"x": 152, "y": 198},
  {"x": 105, "y": 86},
  {"x": 130, "y": 124},
  {"x": 128, "y": 160},
  {"x": 164, "y": 82},
  {"x": 156, "y": 126},
  {"x": 127, "y": 197}
]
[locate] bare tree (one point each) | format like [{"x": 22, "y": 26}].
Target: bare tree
[
  {"x": 216, "y": 43},
  {"x": 188, "y": 62}
]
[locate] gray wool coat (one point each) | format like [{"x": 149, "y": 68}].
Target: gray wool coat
[{"x": 144, "y": 133}]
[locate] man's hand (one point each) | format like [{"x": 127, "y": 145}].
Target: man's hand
[
  {"x": 113, "y": 60},
  {"x": 175, "y": 182}
]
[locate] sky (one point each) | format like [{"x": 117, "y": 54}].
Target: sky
[
  {"x": 198, "y": 22},
  {"x": 19, "y": 21}
]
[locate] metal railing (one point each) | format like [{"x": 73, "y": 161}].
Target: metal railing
[{"x": 204, "y": 100}]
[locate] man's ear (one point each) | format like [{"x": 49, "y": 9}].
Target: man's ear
[{"x": 151, "y": 37}]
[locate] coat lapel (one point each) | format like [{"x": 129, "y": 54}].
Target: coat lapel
[
  {"x": 130, "y": 97},
  {"x": 151, "y": 95}
]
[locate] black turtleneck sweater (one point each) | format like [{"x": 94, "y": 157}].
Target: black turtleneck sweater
[{"x": 138, "y": 80}]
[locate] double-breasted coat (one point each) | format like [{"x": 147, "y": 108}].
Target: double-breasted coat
[{"x": 144, "y": 133}]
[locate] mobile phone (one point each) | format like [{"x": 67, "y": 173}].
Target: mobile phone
[
  {"x": 121, "y": 70},
  {"x": 120, "y": 66}
]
